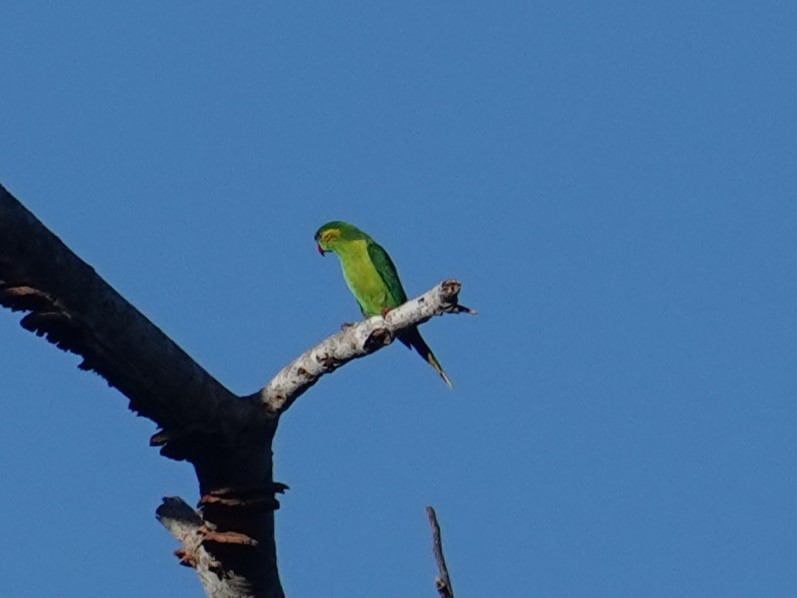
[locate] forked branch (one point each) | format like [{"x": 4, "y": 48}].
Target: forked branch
[{"x": 229, "y": 540}]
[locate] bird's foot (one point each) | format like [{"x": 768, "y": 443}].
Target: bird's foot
[{"x": 386, "y": 310}]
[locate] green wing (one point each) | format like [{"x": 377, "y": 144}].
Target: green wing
[{"x": 387, "y": 270}]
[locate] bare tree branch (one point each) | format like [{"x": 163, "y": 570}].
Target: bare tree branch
[
  {"x": 442, "y": 581},
  {"x": 356, "y": 341},
  {"x": 228, "y": 439}
]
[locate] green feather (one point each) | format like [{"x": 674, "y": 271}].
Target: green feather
[
  {"x": 387, "y": 271},
  {"x": 372, "y": 278}
]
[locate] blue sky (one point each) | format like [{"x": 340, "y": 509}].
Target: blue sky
[{"x": 612, "y": 182}]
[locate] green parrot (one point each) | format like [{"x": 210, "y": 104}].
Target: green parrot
[{"x": 373, "y": 279}]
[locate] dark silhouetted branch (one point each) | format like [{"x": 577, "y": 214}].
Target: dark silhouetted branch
[
  {"x": 227, "y": 439},
  {"x": 442, "y": 581}
]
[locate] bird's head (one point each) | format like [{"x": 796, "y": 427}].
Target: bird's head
[{"x": 329, "y": 236}]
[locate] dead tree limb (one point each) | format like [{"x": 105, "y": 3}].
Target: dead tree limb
[
  {"x": 229, "y": 539},
  {"x": 225, "y": 438},
  {"x": 356, "y": 341},
  {"x": 442, "y": 581}
]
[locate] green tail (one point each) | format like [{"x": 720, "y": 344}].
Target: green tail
[{"x": 413, "y": 339}]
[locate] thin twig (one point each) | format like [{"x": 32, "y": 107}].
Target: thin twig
[{"x": 442, "y": 581}]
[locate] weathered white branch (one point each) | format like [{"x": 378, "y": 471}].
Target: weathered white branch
[
  {"x": 356, "y": 341},
  {"x": 188, "y": 527}
]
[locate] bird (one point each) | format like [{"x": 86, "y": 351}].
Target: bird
[{"x": 373, "y": 280}]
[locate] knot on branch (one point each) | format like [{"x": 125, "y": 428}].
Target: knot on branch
[
  {"x": 327, "y": 361},
  {"x": 377, "y": 339}
]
